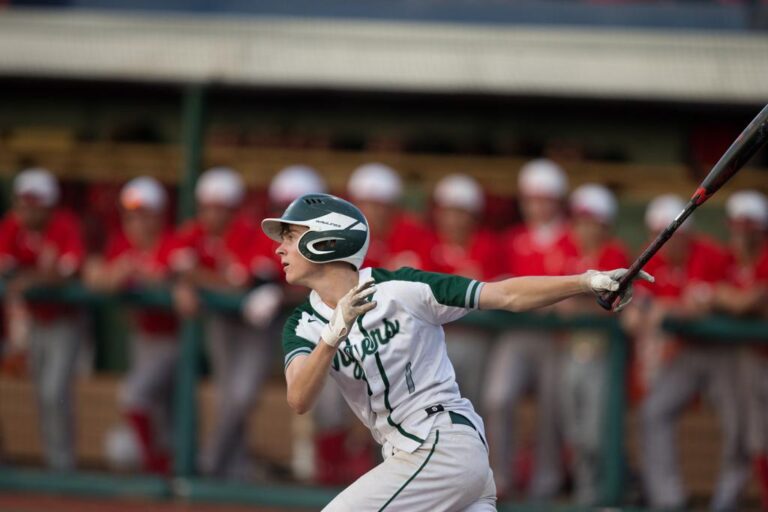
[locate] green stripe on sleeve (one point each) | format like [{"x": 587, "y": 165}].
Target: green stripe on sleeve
[
  {"x": 476, "y": 294},
  {"x": 293, "y": 344},
  {"x": 292, "y": 355},
  {"x": 471, "y": 294}
]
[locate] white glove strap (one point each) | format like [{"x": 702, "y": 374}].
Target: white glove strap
[{"x": 335, "y": 330}]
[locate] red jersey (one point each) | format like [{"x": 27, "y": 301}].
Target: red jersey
[
  {"x": 747, "y": 276},
  {"x": 226, "y": 254},
  {"x": 261, "y": 259},
  {"x": 408, "y": 243},
  {"x": 530, "y": 255},
  {"x": 58, "y": 246},
  {"x": 706, "y": 262},
  {"x": 154, "y": 264},
  {"x": 479, "y": 260},
  {"x": 610, "y": 256}
]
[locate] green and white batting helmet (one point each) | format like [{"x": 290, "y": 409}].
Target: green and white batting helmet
[{"x": 338, "y": 230}]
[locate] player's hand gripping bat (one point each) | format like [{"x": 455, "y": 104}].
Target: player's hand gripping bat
[{"x": 742, "y": 149}]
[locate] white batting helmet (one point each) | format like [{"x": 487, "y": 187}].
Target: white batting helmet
[
  {"x": 595, "y": 201},
  {"x": 38, "y": 183},
  {"x": 542, "y": 177},
  {"x": 143, "y": 192},
  {"x": 220, "y": 185},
  {"x": 662, "y": 210},
  {"x": 293, "y": 182},
  {"x": 460, "y": 191},
  {"x": 749, "y": 205},
  {"x": 375, "y": 182}
]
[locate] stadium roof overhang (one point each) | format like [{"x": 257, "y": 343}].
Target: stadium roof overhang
[{"x": 674, "y": 65}]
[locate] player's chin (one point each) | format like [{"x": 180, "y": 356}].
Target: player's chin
[{"x": 290, "y": 275}]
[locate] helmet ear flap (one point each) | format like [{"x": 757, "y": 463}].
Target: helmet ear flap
[
  {"x": 324, "y": 245},
  {"x": 327, "y": 246}
]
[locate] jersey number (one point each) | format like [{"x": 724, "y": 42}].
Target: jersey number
[{"x": 409, "y": 378}]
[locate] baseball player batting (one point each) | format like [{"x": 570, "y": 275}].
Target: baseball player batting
[{"x": 379, "y": 334}]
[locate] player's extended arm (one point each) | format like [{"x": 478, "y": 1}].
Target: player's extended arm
[
  {"x": 526, "y": 293},
  {"x": 306, "y": 375}
]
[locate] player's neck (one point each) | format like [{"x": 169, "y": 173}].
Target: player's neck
[{"x": 335, "y": 282}]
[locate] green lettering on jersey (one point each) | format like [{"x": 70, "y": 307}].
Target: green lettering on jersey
[{"x": 349, "y": 355}]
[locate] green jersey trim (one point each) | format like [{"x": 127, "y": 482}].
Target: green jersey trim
[
  {"x": 293, "y": 343},
  {"x": 315, "y": 313},
  {"x": 423, "y": 465},
  {"x": 292, "y": 355},
  {"x": 448, "y": 289}
]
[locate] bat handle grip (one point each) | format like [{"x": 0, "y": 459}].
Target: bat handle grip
[{"x": 606, "y": 300}]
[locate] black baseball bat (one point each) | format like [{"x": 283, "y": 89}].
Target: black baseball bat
[{"x": 738, "y": 154}]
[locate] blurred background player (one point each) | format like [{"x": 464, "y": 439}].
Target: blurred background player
[
  {"x": 136, "y": 257},
  {"x": 213, "y": 252},
  {"x": 399, "y": 239},
  {"x": 584, "y": 375},
  {"x": 292, "y": 182},
  {"x": 40, "y": 246},
  {"x": 464, "y": 248},
  {"x": 675, "y": 369},
  {"x": 524, "y": 359},
  {"x": 744, "y": 294}
]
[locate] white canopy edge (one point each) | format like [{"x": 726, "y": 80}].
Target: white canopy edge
[{"x": 387, "y": 56}]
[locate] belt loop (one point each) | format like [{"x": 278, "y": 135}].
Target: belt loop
[{"x": 434, "y": 409}]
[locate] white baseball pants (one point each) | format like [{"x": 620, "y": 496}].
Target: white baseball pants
[{"x": 449, "y": 472}]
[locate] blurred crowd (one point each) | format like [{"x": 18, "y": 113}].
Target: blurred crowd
[{"x": 561, "y": 231}]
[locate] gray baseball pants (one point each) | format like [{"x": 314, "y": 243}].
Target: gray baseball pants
[
  {"x": 53, "y": 356},
  {"x": 711, "y": 369},
  {"x": 240, "y": 360},
  {"x": 148, "y": 386},
  {"x": 521, "y": 360},
  {"x": 583, "y": 393},
  {"x": 468, "y": 350}
]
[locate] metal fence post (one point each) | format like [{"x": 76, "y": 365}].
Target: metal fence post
[
  {"x": 185, "y": 441},
  {"x": 613, "y": 464},
  {"x": 193, "y": 127}
]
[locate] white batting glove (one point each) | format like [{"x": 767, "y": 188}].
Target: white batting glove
[
  {"x": 604, "y": 282},
  {"x": 260, "y": 306},
  {"x": 351, "y": 305}
]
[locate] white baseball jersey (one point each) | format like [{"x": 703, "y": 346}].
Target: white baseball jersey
[{"x": 394, "y": 364}]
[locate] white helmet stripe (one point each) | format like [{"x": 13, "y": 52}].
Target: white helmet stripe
[{"x": 332, "y": 221}]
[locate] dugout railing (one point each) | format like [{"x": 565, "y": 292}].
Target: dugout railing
[{"x": 186, "y": 485}]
